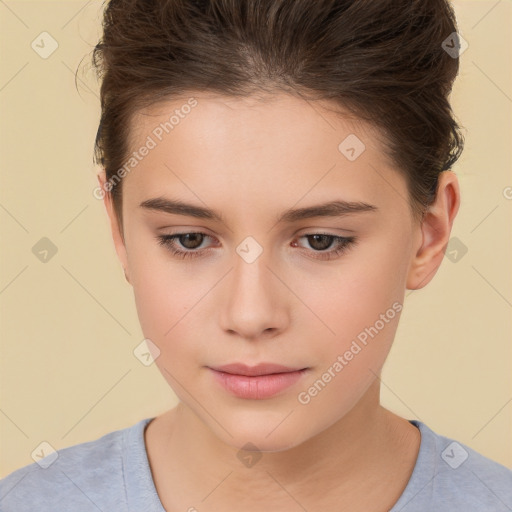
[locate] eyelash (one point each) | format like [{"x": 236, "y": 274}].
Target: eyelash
[{"x": 168, "y": 242}]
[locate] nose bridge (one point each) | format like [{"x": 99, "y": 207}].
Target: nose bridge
[{"x": 252, "y": 304}]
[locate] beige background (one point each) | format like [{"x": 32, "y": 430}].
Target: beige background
[{"x": 69, "y": 326}]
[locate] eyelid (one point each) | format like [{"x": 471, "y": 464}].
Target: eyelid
[
  {"x": 324, "y": 231},
  {"x": 296, "y": 234},
  {"x": 341, "y": 245}
]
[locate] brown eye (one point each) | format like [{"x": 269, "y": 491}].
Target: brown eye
[
  {"x": 187, "y": 245},
  {"x": 190, "y": 240},
  {"x": 320, "y": 242},
  {"x": 184, "y": 245}
]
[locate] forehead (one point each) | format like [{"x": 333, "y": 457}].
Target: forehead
[
  {"x": 280, "y": 116},
  {"x": 272, "y": 145}
]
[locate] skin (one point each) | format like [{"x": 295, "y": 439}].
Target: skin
[{"x": 251, "y": 159}]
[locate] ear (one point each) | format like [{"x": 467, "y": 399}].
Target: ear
[
  {"x": 435, "y": 229},
  {"x": 116, "y": 229}
]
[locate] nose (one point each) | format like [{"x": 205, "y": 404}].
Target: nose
[{"x": 254, "y": 304}]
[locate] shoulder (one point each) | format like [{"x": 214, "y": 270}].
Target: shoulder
[
  {"x": 450, "y": 475},
  {"x": 471, "y": 478},
  {"x": 83, "y": 477}
]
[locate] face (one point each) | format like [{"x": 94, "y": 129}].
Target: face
[{"x": 266, "y": 282}]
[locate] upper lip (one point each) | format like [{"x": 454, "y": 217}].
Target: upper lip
[{"x": 259, "y": 369}]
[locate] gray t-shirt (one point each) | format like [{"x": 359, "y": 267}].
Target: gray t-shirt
[{"x": 112, "y": 474}]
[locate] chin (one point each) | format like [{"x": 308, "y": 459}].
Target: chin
[{"x": 261, "y": 432}]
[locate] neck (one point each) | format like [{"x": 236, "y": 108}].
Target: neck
[{"x": 352, "y": 458}]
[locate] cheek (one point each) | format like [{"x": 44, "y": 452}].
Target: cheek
[
  {"x": 164, "y": 302},
  {"x": 354, "y": 295},
  {"x": 170, "y": 297},
  {"x": 360, "y": 307},
  {"x": 160, "y": 296},
  {"x": 166, "y": 315}
]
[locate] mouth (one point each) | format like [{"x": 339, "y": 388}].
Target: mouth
[
  {"x": 256, "y": 382},
  {"x": 255, "y": 371}
]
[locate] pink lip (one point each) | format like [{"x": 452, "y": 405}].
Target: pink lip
[{"x": 256, "y": 382}]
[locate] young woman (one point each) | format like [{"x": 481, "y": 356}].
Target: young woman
[{"x": 277, "y": 175}]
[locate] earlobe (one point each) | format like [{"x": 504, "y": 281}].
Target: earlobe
[{"x": 435, "y": 229}]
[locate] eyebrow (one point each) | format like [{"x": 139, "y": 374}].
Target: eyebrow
[{"x": 336, "y": 208}]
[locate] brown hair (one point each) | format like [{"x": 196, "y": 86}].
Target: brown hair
[{"x": 381, "y": 60}]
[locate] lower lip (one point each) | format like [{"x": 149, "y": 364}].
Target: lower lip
[{"x": 260, "y": 387}]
